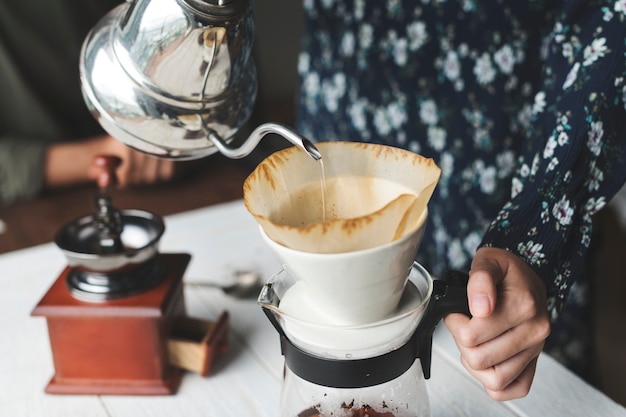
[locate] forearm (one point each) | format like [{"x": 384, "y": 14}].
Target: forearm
[
  {"x": 71, "y": 163},
  {"x": 27, "y": 166},
  {"x": 574, "y": 157}
]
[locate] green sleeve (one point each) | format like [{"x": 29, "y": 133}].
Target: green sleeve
[{"x": 21, "y": 169}]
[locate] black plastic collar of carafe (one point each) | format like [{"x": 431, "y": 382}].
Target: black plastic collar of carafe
[{"x": 449, "y": 296}]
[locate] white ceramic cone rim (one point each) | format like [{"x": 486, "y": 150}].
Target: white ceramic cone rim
[{"x": 385, "y": 211}]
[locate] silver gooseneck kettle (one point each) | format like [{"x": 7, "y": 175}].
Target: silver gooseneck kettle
[{"x": 175, "y": 78}]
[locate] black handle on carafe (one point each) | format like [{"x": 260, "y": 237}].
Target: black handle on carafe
[{"x": 449, "y": 296}]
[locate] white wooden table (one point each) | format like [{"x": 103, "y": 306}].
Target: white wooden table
[{"x": 247, "y": 381}]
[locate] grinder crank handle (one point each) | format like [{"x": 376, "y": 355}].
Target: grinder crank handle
[
  {"x": 449, "y": 296},
  {"x": 108, "y": 221},
  {"x": 107, "y": 176}
]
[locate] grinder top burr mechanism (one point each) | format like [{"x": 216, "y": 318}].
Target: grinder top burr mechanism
[
  {"x": 175, "y": 78},
  {"x": 112, "y": 252}
]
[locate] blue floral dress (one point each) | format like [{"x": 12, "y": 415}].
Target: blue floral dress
[{"x": 521, "y": 103}]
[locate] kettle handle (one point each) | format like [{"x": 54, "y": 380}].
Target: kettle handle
[{"x": 449, "y": 296}]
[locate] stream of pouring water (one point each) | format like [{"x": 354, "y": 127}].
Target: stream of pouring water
[{"x": 323, "y": 185}]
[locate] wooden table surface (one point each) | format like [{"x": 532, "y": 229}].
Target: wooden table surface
[{"x": 223, "y": 239}]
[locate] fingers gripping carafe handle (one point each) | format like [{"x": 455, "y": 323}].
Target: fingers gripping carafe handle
[{"x": 449, "y": 296}]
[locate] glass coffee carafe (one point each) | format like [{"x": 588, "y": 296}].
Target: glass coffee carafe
[{"x": 362, "y": 370}]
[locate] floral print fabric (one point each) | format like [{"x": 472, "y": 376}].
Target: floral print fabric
[{"x": 521, "y": 103}]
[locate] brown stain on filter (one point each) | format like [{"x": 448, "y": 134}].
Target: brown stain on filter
[
  {"x": 265, "y": 172},
  {"x": 264, "y": 186}
]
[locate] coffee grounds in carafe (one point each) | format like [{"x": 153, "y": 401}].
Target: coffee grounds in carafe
[{"x": 365, "y": 411}]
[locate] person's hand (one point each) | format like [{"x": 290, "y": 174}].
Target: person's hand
[
  {"x": 500, "y": 344},
  {"x": 71, "y": 163},
  {"x": 137, "y": 168}
]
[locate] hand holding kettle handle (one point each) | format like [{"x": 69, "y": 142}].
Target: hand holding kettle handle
[{"x": 449, "y": 296}]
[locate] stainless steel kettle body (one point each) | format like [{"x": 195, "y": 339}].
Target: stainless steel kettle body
[{"x": 162, "y": 76}]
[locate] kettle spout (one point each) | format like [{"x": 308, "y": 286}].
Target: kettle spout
[{"x": 255, "y": 137}]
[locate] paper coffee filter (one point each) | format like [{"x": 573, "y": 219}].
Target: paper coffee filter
[{"x": 374, "y": 194}]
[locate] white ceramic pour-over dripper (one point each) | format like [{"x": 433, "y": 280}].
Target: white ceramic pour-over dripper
[
  {"x": 349, "y": 288},
  {"x": 346, "y": 227}
]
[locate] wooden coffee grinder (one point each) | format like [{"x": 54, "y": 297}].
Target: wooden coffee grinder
[{"x": 116, "y": 314}]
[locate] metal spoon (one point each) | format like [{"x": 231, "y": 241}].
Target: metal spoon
[{"x": 246, "y": 284}]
